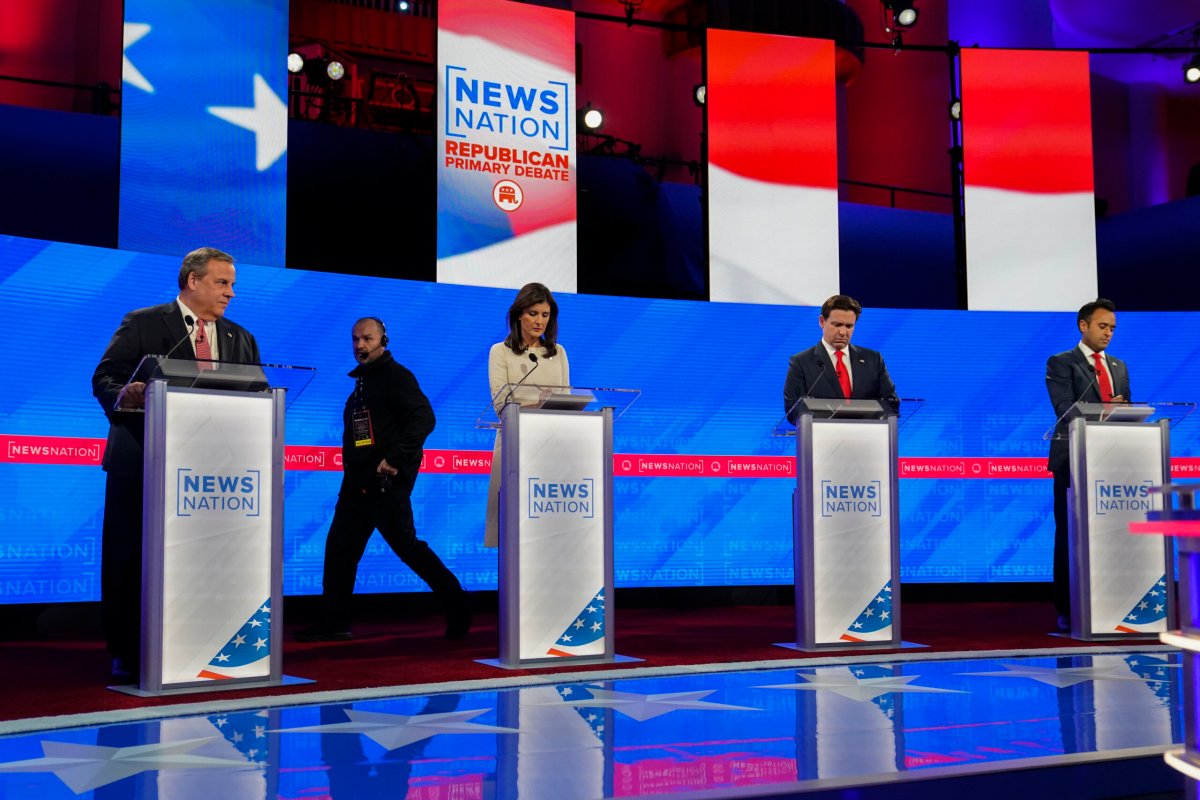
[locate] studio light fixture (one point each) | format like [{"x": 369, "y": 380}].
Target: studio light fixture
[
  {"x": 1191, "y": 69},
  {"x": 903, "y": 12},
  {"x": 591, "y": 119},
  {"x": 295, "y": 63},
  {"x": 699, "y": 94},
  {"x": 956, "y": 109}
]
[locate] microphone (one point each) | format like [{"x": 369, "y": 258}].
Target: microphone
[
  {"x": 191, "y": 324},
  {"x": 508, "y": 397},
  {"x": 187, "y": 320},
  {"x": 791, "y": 414}
]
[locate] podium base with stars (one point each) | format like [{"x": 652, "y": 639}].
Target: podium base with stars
[
  {"x": 137, "y": 691},
  {"x": 559, "y": 662}
]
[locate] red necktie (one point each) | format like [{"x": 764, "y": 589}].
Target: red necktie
[
  {"x": 1106, "y": 394},
  {"x": 203, "y": 351},
  {"x": 842, "y": 375}
]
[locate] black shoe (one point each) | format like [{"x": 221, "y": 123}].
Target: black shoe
[
  {"x": 323, "y": 633},
  {"x": 124, "y": 670},
  {"x": 1064, "y": 623},
  {"x": 458, "y": 618}
]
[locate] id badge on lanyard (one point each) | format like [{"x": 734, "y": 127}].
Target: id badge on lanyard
[{"x": 360, "y": 420}]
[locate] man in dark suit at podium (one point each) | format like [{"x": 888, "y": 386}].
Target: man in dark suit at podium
[
  {"x": 193, "y": 325},
  {"x": 1085, "y": 373},
  {"x": 834, "y": 368}
]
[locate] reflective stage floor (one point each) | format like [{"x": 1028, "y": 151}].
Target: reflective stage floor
[{"x": 905, "y": 723}]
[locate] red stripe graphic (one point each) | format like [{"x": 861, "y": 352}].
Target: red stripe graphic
[
  {"x": 78, "y": 450},
  {"x": 1027, "y": 120},
  {"x": 772, "y": 108},
  {"x": 546, "y": 34}
]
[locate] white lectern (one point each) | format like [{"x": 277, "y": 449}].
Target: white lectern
[
  {"x": 212, "y": 529},
  {"x": 845, "y": 525},
  {"x": 1122, "y": 586},
  {"x": 556, "y": 526}
]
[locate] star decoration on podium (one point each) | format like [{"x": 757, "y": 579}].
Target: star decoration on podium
[
  {"x": 642, "y": 707},
  {"x": 396, "y": 730},
  {"x": 1062, "y": 677},
  {"x": 83, "y": 767},
  {"x": 853, "y": 687}
]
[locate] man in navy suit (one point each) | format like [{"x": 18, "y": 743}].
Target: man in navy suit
[
  {"x": 1085, "y": 373},
  {"x": 834, "y": 368},
  {"x": 197, "y": 315}
]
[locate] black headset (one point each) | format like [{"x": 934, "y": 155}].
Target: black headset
[{"x": 383, "y": 339}]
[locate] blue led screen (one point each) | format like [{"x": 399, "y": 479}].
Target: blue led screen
[{"x": 711, "y": 376}]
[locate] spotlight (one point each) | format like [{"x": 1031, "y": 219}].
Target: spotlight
[
  {"x": 903, "y": 12},
  {"x": 335, "y": 70},
  {"x": 699, "y": 94},
  {"x": 403, "y": 5},
  {"x": 591, "y": 118},
  {"x": 295, "y": 62},
  {"x": 1191, "y": 70},
  {"x": 956, "y": 109}
]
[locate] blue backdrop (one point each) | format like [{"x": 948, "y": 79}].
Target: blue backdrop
[{"x": 711, "y": 376}]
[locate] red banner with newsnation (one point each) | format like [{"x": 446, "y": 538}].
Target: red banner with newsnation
[{"x": 89, "y": 452}]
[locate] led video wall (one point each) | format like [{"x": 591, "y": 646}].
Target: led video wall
[{"x": 702, "y": 488}]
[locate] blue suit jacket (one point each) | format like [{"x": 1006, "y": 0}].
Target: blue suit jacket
[
  {"x": 811, "y": 373},
  {"x": 151, "y": 331},
  {"x": 1071, "y": 378}
]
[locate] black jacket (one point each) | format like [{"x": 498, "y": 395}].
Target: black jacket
[
  {"x": 1071, "y": 378},
  {"x": 151, "y": 331},
  {"x": 811, "y": 373},
  {"x": 401, "y": 421}
]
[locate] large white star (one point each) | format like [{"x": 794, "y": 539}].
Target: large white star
[
  {"x": 83, "y": 767},
  {"x": 396, "y": 730},
  {"x": 855, "y": 688},
  {"x": 1065, "y": 676},
  {"x": 129, "y": 73},
  {"x": 266, "y": 119},
  {"x": 647, "y": 706}
]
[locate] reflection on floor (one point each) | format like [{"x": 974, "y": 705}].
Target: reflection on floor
[{"x": 812, "y": 724}]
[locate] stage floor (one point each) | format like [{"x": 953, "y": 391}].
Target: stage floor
[{"x": 777, "y": 728}]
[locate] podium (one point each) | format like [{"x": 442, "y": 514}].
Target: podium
[
  {"x": 1119, "y": 453},
  {"x": 845, "y": 524},
  {"x": 556, "y": 527},
  {"x": 212, "y": 531}
]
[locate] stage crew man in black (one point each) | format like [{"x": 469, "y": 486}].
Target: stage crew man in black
[{"x": 385, "y": 423}]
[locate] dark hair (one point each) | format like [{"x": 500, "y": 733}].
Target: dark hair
[
  {"x": 840, "y": 302},
  {"x": 530, "y": 295},
  {"x": 1085, "y": 313},
  {"x": 383, "y": 338},
  {"x": 197, "y": 262}
]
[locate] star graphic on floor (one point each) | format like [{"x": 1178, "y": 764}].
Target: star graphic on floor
[
  {"x": 851, "y": 686},
  {"x": 1062, "y": 677},
  {"x": 396, "y": 730},
  {"x": 266, "y": 119},
  {"x": 648, "y": 706},
  {"x": 83, "y": 767}
]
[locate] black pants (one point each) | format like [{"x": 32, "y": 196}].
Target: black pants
[
  {"x": 121, "y": 567},
  {"x": 356, "y": 516},
  {"x": 1062, "y": 555}
]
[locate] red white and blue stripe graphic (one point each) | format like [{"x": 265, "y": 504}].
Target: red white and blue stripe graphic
[
  {"x": 772, "y": 173},
  {"x": 1029, "y": 187},
  {"x": 506, "y": 144}
]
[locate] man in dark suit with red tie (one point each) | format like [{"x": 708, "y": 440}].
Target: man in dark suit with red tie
[
  {"x": 1089, "y": 374},
  {"x": 834, "y": 368},
  {"x": 191, "y": 325}
]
